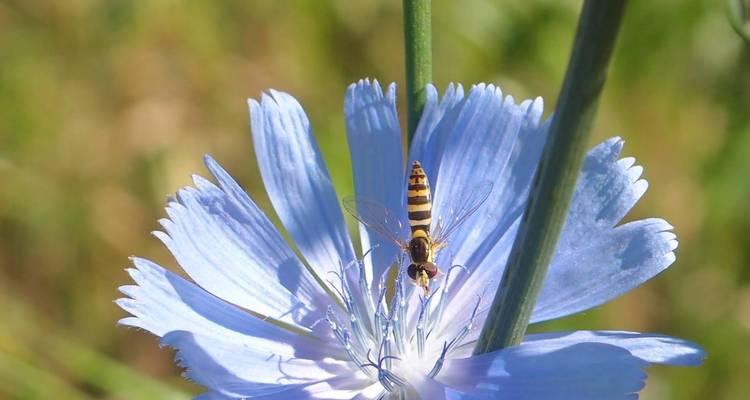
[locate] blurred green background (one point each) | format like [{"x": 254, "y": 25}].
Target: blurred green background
[{"x": 106, "y": 107}]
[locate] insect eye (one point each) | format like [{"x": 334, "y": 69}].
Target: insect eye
[
  {"x": 431, "y": 269},
  {"x": 412, "y": 271}
]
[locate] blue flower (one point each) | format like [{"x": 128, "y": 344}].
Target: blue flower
[{"x": 259, "y": 321}]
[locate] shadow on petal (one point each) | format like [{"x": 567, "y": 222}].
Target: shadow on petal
[{"x": 580, "y": 371}]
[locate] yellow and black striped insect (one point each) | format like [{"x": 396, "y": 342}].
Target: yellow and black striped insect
[{"x": 425, "y": 240}]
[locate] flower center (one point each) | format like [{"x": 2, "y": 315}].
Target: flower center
[{"x": 387, "y": 339}]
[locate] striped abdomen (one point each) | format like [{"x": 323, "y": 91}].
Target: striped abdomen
[{"x": 419, "y": 202}]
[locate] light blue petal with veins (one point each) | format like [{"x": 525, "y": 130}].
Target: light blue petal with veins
[
  {"x": 377, "y": 163},
  {"x": 162, "y": 301},
  {"x": 298, "y": 182},
  {"x": 435, "y": 127},
  {"x": 596, "y": 260},
  {"x": 229, "y": 247},
  {"x": 236, "y": 370},
  {"x": 607, "y": 188},
  {"x": 491, "y": 139},
  {"x": 482, "y": 144},
  {"x": 611, "y": 265}
]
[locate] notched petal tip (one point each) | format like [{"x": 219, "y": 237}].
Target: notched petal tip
[
  {"x": 254, "y": 109},
  {"x": 366, "y": 88},
  {"x": 162, "y": 236},
  {"x": 278, "y": 96},
  {"x": 453, "y": 91},
  {"x": 129, "y": 322},
  {"x": 267, "y": 101},
  {"x": 534, "y": 111},
  {"x": 391, "y": 94},
  {"x": 615, "y": 145},
  {"x": 131, "y": 306},
  {"x": 662, "y": 224},
  {"x": 142, "y": 266},
  {"x": 508, "y": 101},
  {"x": 203, "y": 184},
  {"x": 635, "y": 172},
  {"x": 128, "y": 290},
  {"x": 220, "y": 173},
  {"x": 626, "y": 162},
  {"x": 209, "y": 161},
  {"x": 363, "y": 84},
  {"x": 431, "y": 89},
  {"x": 616, "y": 140},
  {"x": 125, "y": 302}
]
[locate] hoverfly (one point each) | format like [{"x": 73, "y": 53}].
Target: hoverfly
[{"x": 425, "y": 240}]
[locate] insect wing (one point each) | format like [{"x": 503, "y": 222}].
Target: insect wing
[
  {"x": 459, "y": 210},
  {"x": 376, "y": 217}
]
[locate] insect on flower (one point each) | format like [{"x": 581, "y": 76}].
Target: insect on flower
[{"x": 425, "y": 242}]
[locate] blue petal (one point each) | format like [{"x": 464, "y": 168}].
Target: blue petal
[
  {"x": 546, "y": 371},
  {"x": 489, "y": 142},
  {"x": 609, "y": 266},
  {"x": 607, "y": 188},
  {"x": 377, "y": 161},
  {"x": 559, "y": 366},
  {"x": 652, "y": 348},
  {"x": 481, "y": 281},
  {"x": 229, "y": 247},
  {"x": 233, "y": 369},
  {"x": 595, "y": 261},
  {"x": 162, "y": 302},
  {"x": 298, "y": 182},
  {"x": 435, "y": 127},
  {"x": 489, "y": 138}
]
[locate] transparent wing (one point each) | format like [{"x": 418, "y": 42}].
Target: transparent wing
[
  {"x": 377, "y": 217},
  {"x": 459, "y": 210}
]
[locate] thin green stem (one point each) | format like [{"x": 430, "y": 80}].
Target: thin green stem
[
  {"x": 418, "y": 46},
  {"x": 556, "y": 176},
  {"x": 739, "y": 16}
]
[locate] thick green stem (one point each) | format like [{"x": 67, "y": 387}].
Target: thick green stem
[
  {"x": 555, "y": 178},
  {"x": 418, "y": 46}
]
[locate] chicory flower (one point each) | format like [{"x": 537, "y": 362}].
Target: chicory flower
[{"x": 259, "y": 321}]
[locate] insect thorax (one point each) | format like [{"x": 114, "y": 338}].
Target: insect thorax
[{"x": 420, "y": 249}]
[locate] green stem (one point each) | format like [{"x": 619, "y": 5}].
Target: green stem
[
  {"x": 418, "y": 46},
  {"x": 556, "y": 176},
  {"x": 739, "y": 16}
]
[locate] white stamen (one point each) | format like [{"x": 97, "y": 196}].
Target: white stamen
[{"x": 382, "y": 324}]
